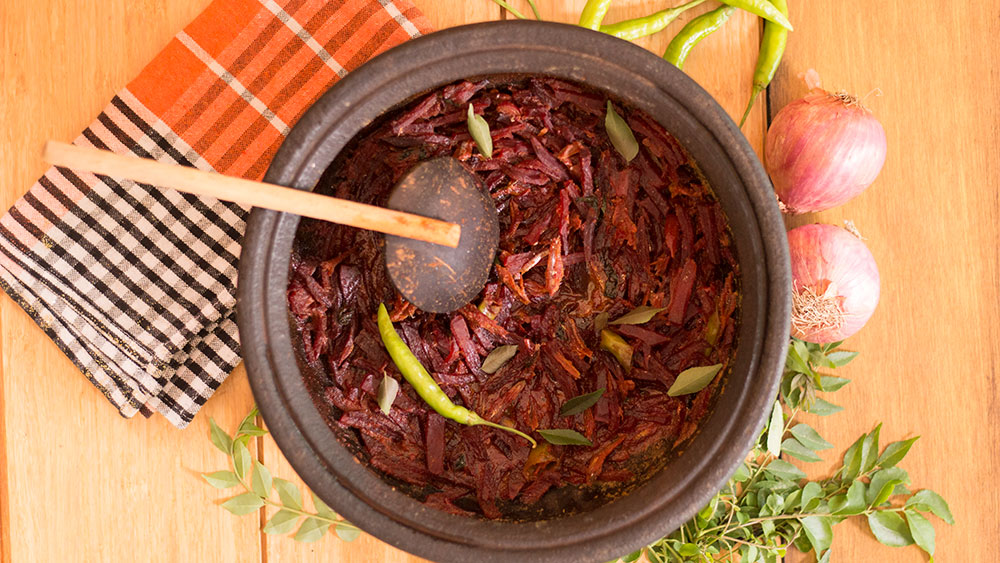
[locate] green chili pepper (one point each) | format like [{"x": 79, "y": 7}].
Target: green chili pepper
[
  {"x": 593, "y": 13},
  {"x": 647, "y": 25},
  {"x": 416, "y": 374},
  {"x": 762, "y": 8},
  {"x": 772, "y": 47},
  {"x": 692, "y": 34}
]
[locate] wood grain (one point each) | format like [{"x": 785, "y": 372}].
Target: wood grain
[
  {"x": 78, "y": 483},
  {"x": 928, "y": 363}
]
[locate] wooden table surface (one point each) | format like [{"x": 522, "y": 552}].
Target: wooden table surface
[{"x": 79, "y": 483}]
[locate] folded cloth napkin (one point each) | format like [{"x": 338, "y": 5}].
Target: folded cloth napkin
[{"x": 137, "y": 284}]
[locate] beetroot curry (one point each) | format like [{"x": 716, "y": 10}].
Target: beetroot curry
[{"x": 584, "y": 237}]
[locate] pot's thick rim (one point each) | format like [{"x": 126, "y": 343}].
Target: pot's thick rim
[{"x": 640, "y": 78}]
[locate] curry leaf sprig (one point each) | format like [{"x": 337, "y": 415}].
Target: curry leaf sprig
[
  {"x": 768, "y": 505},
  {"x": 258, "y": 483}
]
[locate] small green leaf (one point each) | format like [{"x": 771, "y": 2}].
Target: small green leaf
[
  {"x": 260, "y": 482},
  {"x": 346, "y": 531},
  {"x": 841, "y": 358},
  {"x": 869, "y": 449},
  {"x": 322, "y": 508},
  {"x": 809, "y": 437},
  {"x": 895, "y": 452},
  {"x": 632, "y": 557},
  {"x": 741, "y": 474},
  {"x": 921, "y": 530},
  {"x": 797, "y": 358},
  {"x": 243, "y": 504},
  {"x": 620, "y": 134},
  {"x": 852, "y": 460},
  {"x": 252, "y": 430},
  {"x": 810, "y": 492},
  {"x": 688, "y": 550},
  {"x": 580, "y": 403},
  {"x": 819, "y": 530},
  {"x": 386, "y": 393},
  {"x": 775, "y": 427},
  {"x": 242, "y": 462},
  {"x": 832, "y": 383},
  {"x": 929, "y": 501},
  {"x": 498, "y": 357},
  {"x": 890, "y": 529},
  {"x": 565, "y": 437},
  {"x": 823, "y": 407},
  {"x": 693, "y": 380},
  {"x": 638, "y": 316},
  {"x": 311, "y": 530},
  {"x": 795, "y": 449},
  {"x": 883, "y": 483},
  {"x": 853, "y": 502},
  {"x": 784, "y": 470},
  {"x": 479, "y": 130},
  {"x": 282, "y": 522},
  {"x": 219, "y": 437},
  {"x": 221, "y": 479},
  {"x": 289, "y": 494}
]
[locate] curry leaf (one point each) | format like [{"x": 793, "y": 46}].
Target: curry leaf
[
  {"x": 479, "y": 130},
  {"x": 281, "y": 523},
  {"x": 580, "y": 403},
  {"x": 498, "y": 357},
  {"x": 638, "y": 316},
  {"x": 775, "y": 429},
  {"x": 921, "y": 530},
  {"x": 288, "y": 493},
  {"x": 895, "y": 452},
  {"x": 823, "y": 407},
  {"x": 221, "y": 479},
  {"x": 243, "y": 504},
  {"x": 890, "y": 529},
  {"x": 795, "y": 449},
  {"x": 565, "y": 437},
  {"x": 219, "y": 437},
  {"x": 346, "y": 531},
  {"x": 311, "y": 530},
  {"x": 260, "y": 482},
  {"x": 819, "y": 530},
  {"x": 620, "y": 134},
  {"x": 693, "y": 380},
  {"x": 928, "y": 500},
  {"x": 809, "y": 437},
  {"x": 386, "y": 393},
  {"x": 242, "y": 461}
]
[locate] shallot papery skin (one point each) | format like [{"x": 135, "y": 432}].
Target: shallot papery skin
[
  {"x": 835, "y": 283},
  {"x": 823, "y": 150}
]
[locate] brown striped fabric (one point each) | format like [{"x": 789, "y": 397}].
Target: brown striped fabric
[{"x": 136, "y": 284}]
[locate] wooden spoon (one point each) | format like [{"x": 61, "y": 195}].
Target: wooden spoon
[{"x": 438, "y": 277}]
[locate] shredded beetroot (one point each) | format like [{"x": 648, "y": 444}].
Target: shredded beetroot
[{"x": 582, "y": 233}]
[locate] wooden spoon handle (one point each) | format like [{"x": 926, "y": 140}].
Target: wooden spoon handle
[{"x": 256, "y": 194}]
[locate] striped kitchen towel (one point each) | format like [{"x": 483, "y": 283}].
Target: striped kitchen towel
[{"x": 136, "y": 284}]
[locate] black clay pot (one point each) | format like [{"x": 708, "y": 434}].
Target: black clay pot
[{"x": 631, "y": 74}]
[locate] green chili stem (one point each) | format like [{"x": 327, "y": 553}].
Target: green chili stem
[
  {"x": 485, "y": 422},
  {"x": 763, "y": 8},
  {"x": 772, "y": 48},
  {"x": 509, "y": 8},
  {"x": 534, "y": 9},
  {"x": 593, "y": 13},
  {"x": 647, "y": 25},
  {"x": 417, "y": 375},
  {"x": 692, "y": 34}
]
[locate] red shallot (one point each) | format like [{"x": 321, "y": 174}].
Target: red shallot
[
  {"x": 823, "y": 150},
  {"x": 835, "y": 283}
]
